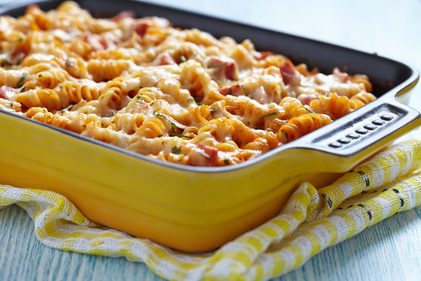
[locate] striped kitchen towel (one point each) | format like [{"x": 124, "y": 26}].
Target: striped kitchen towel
[{"x": 311, "y": 221}]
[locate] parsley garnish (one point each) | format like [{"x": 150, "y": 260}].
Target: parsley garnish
[
  {"x": 173, "y": 126},
  {"x": 61, "y": 87},
  {"x": 226, "y": 161},
  {"x": 229, "y": 92},
  {"x": 20, "y": 39},
  {"x": 66, "y": 109},
  {"x": 180, "y": 135},
  {"x": 6, "y": 65},
  {"x": 139, "y": 98},
  {"x": 179, "y": 160},
  {"x": 152, "y": 103},
  {"x": 22, "y": 79},
  {"x": 190, "y": 99},
  {"x": 182, "y": 58},
  {"x": 11, "y": 104},
  {"x": 217, "y": 66},
  {"x": 39, "y": 75},
  {"x": 237, "y": 86},
  {"x": 264, "y": 116},
  {"x": 113, "y": 121},
  {"x": 176, "y": 150},
  {"x": 102, "y": 124},
  {"x": 197, "y": 99},
  {"x": 68, "y": 63},
  {"x": 163, "y": 143},
  {"x": 244, "y": 90},
  {"x": 160, "y": 115},
  {"x": 309, "y": 110}
]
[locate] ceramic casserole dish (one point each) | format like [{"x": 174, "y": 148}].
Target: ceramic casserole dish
[{"x": 200, "y": 208}]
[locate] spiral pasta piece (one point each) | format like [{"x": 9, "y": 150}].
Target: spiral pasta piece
[
  {"x": 299, "y": 126},
  {"x": 39, "y": 98},
  {"x": 334, "y": 106},
  {"x": 363, "y": 98}
]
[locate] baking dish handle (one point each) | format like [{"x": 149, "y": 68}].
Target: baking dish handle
[{"x": 373, "y": 127}]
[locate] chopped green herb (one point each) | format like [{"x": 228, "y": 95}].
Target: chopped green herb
[
  {"x": 11, "y": 104},
  {"x": 237, "y": 86},
  {"x": 68, "y": 63},
  {"x": 66, "y": 109},
  {"x": 113, "y": 121},
  {"x": 159, "y": 115},
  {"x": 163, "y": 143},
  {"x": 39, "y": 75},
  {"x": 158, "y": 89},
  {"x": 102, "y": 124},
  {"x": 152, "y": 103},
  {"x": 173, "y": 126},
  {"x": 6, "y": 65},
  {"x": 176, "y": 150},
  {"x": 226, "y": 161},
  {"x": 61, "y": 87},
  {"x": 20, "y": 39},
  {"x": 140, "y": 104},
  {"x": 180, "y": 135},
  {"x": 244, "y": 90},
  {"x": 190, "y": 99},
  {"x": 264, "y": 116},
  {"x": 22, "y": 79},
  {"x": 197, "y": 99},
  {"x": 140, "y": 87},
  {"x": 217, "y": 66},
  {"x": 181, "y": 57},
  {"x": 139, "y": 98},
  {"x": 229, "y": 93},
  {"x": 179, "y": 160},
  {"x": 309, "y": 110}
]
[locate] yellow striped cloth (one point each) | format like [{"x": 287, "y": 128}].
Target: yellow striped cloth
[{"x": 311, "y": 221}]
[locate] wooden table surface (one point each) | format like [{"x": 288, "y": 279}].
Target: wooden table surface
[{"x": 386, "y": 251}]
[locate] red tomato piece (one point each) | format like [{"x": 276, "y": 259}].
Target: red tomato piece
[{"x": 203, "y": 155}]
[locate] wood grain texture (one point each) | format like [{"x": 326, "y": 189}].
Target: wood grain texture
[{"x": 386, "y": 251}]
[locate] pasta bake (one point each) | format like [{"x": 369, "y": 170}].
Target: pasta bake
[{"x": 175, "y": 95}]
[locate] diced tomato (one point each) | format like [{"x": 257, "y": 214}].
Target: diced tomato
[
  {"x": 236, "y": 90},
  {"x": 103, "y": 42},
  {"x": 262, "y": 55},
  {"x": 306, "y": 99},
  {"x": 123, "y": 15},
  {"x": 343, "y": 77},
  {"x": 227, "y": 68},
  {"x": 6, "y": 92},
  {"x": 94, "y": 42},
  {"x": 141, "y": 28},
  {"x": 203, "y": 155},
  {"x": 288, "y": 72}
]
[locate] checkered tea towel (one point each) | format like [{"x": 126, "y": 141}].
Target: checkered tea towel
[{"x": 311, "y": 221}]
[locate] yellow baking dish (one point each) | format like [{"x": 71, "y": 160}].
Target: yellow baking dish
[{"x": 198, "y": 209}]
